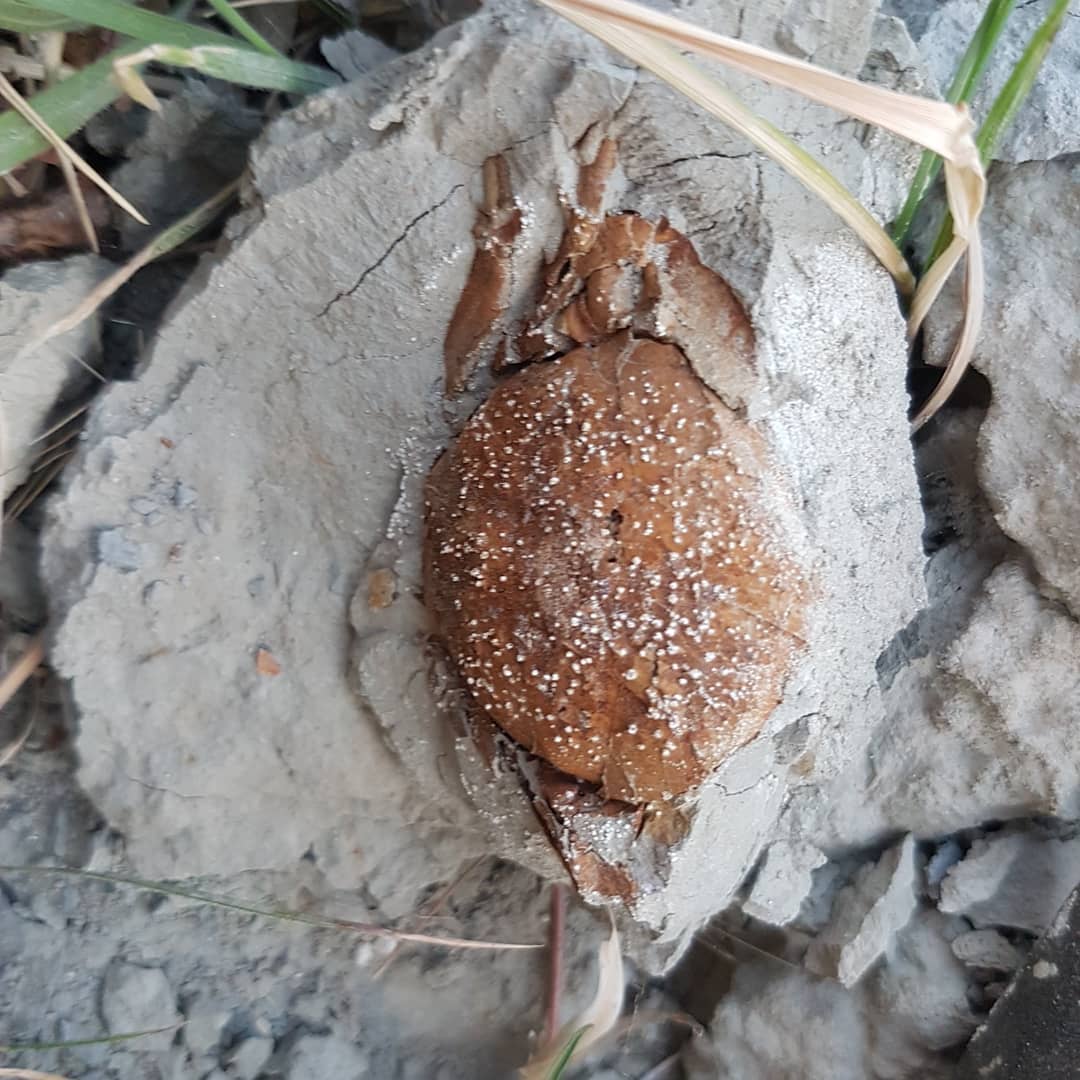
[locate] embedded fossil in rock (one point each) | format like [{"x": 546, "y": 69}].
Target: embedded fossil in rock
[{"x": 599, "y": 559}]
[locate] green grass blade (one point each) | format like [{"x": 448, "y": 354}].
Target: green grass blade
[
  {"x": 65, "y": 107},
  {"x": 243, "y": 27},
  {"x": 567, "y": 1052},
  {"x": 145, "y": 26},
  {"x": 24, "y": 18},
  {"x": 247, "y": 67},
  {"x": 72, "y": 1044},
  {"x": 192, "y": 223},
  {"x": 968, "y": 73},
  {"x": 1016, "y": 89},
  {"x": 1008, "y": 102}
]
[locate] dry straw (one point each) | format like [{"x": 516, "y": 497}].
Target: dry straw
[
  {"x": 29, "y": 1074},
  {"x": 364, "y": 929},
  {"x": 33, "y": 656}
]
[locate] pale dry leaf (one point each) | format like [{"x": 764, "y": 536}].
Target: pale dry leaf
[
  {"x": 599, "y": 1017},
  {"x": 966, "y": 243},
  {"x": 135, "y": 86}
]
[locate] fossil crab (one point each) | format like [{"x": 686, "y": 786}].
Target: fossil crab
[{"x": 600, "y": 563}]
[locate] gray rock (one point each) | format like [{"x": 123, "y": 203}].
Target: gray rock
[
  {"x": 117, "y": 551},
  {"x": 184, "y": 497},
  {"x": 783, "y": 1022},
  {"x": 111, "y": 130},
  {"x": 203, "y": 1030},
  {"x": 938, "y": 865},
  {"x": 866, "y": 915},
  {"x": 783, "y": 882},
  {"x": 889, "y": 913},
  {"x": 1023, "y": 1037},
  {"x": 980, "y": 690},
  {"x": 43, "y": 816},
  {"x": 1014, "y": 879},
  {"x": 15, "y": 931},
  {"x": 316, "y": 293},
  {"x": 978, "y": 726},
  {"x": 804, "y": 28},
  {"x": 53, "y": 908},
  {"x": 1045, "y": 969},
  {"x": 246, "y": 1060},
  {"x": 188, "y": 151},
  {"x": 915, "y": 13},
  {"x": 32, "y": 297},
  {"x": 780, "y": 1020},
  {"x": 135, "y": 998},
  {"x": 1048, "y": 123},
  {"x": 355, "y": 53},
  {"x": 1036, "y": 695},
  {"x": 315, "y": 1057},
  {"x": 987, "y": 949},
  {"x": 1028, "y": 453},
  {"x": 143, "y": 506},
  {"x": 924, "y": 987}
]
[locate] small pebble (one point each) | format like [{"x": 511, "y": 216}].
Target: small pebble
[
  {"x": 116, "y": 550},
  {"x": 184, "y": 497},
  {"x": 142, "y": 505}
]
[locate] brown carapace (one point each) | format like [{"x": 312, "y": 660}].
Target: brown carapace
[{"x": 601, "y": 562}]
